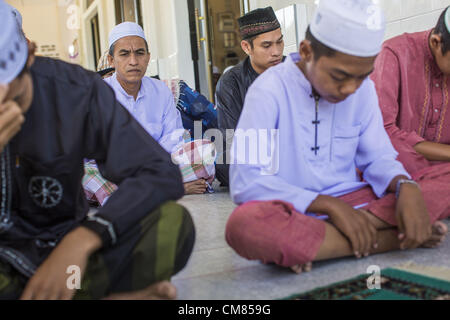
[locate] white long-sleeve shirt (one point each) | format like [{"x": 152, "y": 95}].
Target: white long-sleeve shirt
[{"x": 154, "y": 109}]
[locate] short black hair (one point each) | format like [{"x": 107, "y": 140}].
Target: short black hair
[
  {"x": 318, "y": 47},
  {"x": 442, "y": 31},
  {"x": 250, "y": 41},
  {"x": 111, "y": 49}
]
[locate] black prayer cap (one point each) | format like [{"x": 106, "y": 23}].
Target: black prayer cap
[{"x": 257, "y": 22}]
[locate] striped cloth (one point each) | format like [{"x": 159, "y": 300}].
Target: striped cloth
[
  {"x": 154, "y": 250},
  {"x": 195, "y": 160}
]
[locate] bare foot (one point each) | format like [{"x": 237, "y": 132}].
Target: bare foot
[
  {"x": 440, "y": 231},
  {"x": 159, "y": 291},
  {"x": 195, "y": 187},
  {"x": 298, "y": 269}
]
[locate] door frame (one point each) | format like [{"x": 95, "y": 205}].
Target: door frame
[{"x": 96, "y": 8}]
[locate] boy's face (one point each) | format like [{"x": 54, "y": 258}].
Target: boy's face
[
  {"x": 337, "y": 77},
  {"x": 20, "y": 90}
]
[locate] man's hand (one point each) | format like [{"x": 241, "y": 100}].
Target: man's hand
[
  {"x": 50, "y": 280},
  {"x": 361, "y": 233},
  {"x": 11, "y": 118},
  {"x": 412, "y": 217}
]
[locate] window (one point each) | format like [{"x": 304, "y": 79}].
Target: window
[
  {"x": 95, "y": 39},
  {"x": 128, "y": 10}
]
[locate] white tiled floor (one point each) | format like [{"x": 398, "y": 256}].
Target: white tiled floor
[{"x": 215, "y": 272}]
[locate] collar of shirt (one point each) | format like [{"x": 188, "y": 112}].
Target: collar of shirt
[
  {"x": 295, "y": 71},
  {"x": 118, "y": 86},
  {"x": 248, "y": 66}
]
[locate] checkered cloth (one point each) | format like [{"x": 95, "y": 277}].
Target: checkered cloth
[
  {"x": 103, "y": 62},
  {"x": 195, "y": 160},
  {"x": 97, "y": 189}
]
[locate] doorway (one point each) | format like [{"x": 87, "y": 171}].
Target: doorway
[{"x": 215, "y": 40}]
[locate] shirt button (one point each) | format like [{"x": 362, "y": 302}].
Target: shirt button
[
  {"x": 437, "y": 85},
  {"x": 436, "y": 110}
]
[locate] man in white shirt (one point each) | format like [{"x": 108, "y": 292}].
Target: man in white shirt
[{"x": 152, "y": 104}]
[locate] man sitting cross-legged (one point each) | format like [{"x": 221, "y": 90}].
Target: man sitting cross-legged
[
  {"x": 151, "y": 102},
  {"x": 133, "y": 245}
]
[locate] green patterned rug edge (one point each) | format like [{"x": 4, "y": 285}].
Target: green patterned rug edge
[{"x": 395, "y": 274}]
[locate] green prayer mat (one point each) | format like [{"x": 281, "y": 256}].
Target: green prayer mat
[{"x": 395, "y": 285}]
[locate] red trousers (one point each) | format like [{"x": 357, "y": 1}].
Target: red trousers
[{"x": 274, "y": 232}]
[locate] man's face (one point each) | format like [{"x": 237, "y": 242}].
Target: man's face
[
  {"x": 267, "y": 50},
  {"x": 337, "y": 77},
  {"x": 130, "y": 59}
]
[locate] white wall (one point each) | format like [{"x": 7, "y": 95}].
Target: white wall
[
  {"x": 287, "y": 20},
  {"x": 45, "y": 22},
  {"x": 412, "y": 15},
  {"x": 167, "y": 28},
  {"x": 165, "y": 25},
  {"x": 402, "y": 15}
]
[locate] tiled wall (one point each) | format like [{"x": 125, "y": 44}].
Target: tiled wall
[
  {"x": 411, "y": 15},
  {"x": 287, "y": 19},
  {"x": 402, "y": 15}
]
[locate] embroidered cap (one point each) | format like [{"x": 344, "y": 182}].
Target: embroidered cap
[
  {"x": 13, "y": 46},
  {"x": 257, "y": 22},
  {"x": 353, "y": 27},
  {"x": 125, "y": 29}
]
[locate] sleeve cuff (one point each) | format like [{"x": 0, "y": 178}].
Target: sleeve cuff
[
  {"x": 381, "y": 189},
  {"x": 414, "y": 139},
  {"x": 103, "y": 228},
  {"x": 305, "y": 200}
]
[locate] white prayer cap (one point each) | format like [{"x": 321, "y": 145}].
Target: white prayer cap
[
  {"x": 16, "y": 14},
  {"x": 353, "y": 27},
  {"x": 125, "y": 29},
  {"x": 13, "y": 46}
]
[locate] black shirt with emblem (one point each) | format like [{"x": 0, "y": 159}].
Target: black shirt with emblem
[{"x": 75, "y": 116}]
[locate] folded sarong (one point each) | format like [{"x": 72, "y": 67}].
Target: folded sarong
[{"x": 195, "y": 160}]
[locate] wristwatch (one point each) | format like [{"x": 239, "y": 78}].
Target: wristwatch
[{"x": 404, "y": 181}]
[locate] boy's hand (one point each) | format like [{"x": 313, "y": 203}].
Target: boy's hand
[
  {"x": 412, "y": 217},
  {"x": 11, "y": 118},
  {"x": 361, "y": 233},
  {"x": 50, "y": 280},
  {"x": 356, "y": 227}
]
